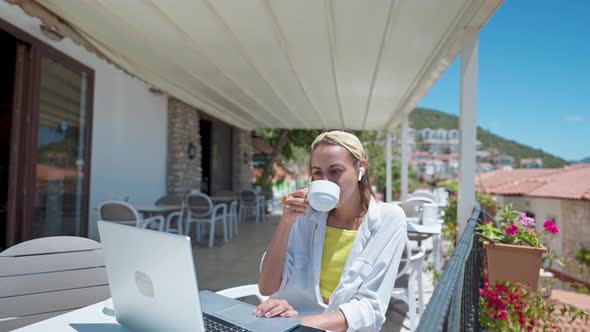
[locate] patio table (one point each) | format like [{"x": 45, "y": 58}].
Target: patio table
[{"x": 95, "y": 317}]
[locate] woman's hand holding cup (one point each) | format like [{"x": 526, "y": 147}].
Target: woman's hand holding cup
[{"x": 295, "y": 206}]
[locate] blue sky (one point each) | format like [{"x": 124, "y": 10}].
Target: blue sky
[{"x": 534, "y": 76}]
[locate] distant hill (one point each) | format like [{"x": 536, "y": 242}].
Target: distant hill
[
  {"x": 585, "y": 160},
  {"x": 426, "y": 118}
]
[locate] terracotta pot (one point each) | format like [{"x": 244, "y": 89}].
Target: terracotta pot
[{"x": 514, "y": 263}]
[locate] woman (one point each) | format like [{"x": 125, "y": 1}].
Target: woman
[{"x": 334, "y": 270}]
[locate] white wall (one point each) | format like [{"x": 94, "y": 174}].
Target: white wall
[
  {"x": 543, "y": 208},
  {"x": 129, "y": 126},
  {"x": 548, "y": 208}
]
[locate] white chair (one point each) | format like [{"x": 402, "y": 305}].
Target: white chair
[
  {"x": 249, "y": 201},
  {"x": 413, "y": 206},
  {"x": 50, "y": 276},
  {"x": 176, "y": 217},
  {"x": 441, "y": 195},
  {"x": 430, "y": 217},
  {"x": 243, "y": 291},
  {"x": 123, "y": 213},
  {"x": 423, "y": 193},
  {"x": 430, "y": 214},
  {"x": 232, "y": 219},
  {"x": 200, "y": 210},
  {"x": 413, "y": 268}
]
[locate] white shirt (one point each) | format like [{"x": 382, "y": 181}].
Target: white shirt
[{"x": 369, "y": 273}]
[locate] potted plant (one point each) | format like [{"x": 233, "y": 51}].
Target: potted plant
[{"x": 515, "y": 250}]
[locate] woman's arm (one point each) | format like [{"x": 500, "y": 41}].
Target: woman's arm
[
  {"x": 333, "y": 321},
  {"x": 272, "y": 267},
  {"x": 366, "y": 310},
  {"x": 270, "y": 277}
]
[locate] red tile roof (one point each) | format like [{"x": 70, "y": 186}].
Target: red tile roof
[
  {"x": 579, "y": 301},
  {"x": 571, "y": 182}
]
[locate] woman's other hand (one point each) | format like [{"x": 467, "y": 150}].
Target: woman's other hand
[{"x": 274, "y": 308}]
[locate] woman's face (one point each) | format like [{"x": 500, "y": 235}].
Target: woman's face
[{"x": 334, "y": 163}]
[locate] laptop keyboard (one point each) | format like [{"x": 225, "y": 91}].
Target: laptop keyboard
[{"x": 214, "y": 324}]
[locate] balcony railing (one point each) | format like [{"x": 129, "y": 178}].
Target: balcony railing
[{"x": 454, "y": 303}]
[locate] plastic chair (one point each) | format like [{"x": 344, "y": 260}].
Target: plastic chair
[
  {"x": 49, "y": 276},
  {"x": 249, "y": 201},
  {"x": 413, "y": 268},
  {"x": 177, "y": 216},
  {"x": 200, "y": 210},
  {"x": 246, "y": 290},
  {"x": 413, "y": 205},
  {"x": 243, "y": 291},
  {"x": 430, "y": 216},
  {"x": 123, "y": 213},
  {"x": 232, "y": 219},
  {"x": 423, "y": 193}
]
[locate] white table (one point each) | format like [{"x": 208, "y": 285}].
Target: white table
[{"x": 98, "y": 317}]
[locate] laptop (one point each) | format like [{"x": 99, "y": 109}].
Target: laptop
[{"x": 154, "y": 286}]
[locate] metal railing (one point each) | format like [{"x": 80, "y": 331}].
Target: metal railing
[{"x": 453, "y": 306}]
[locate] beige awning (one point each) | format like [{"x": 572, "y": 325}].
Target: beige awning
[{"x": 284, "y": 63}]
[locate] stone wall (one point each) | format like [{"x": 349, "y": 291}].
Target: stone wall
[
  {"x": 182, "y": 174},
  {"x": 242, "y": 160},
  {"x": 576, "y": 229}
]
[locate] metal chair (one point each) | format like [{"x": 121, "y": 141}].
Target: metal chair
[
  {"x": 249, "y": 201},
  {"x": 413, "y": 267},
  {"x": 177, "y": 216},
  {"x": 261, "y": 208},
  {"x": 200, "y": 210},
  {"x": 232, "y": 219},
  {"x": 50, "y": 276},
  {"x": 123, "y": 213}
]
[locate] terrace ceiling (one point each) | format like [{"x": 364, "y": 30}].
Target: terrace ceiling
[{"x": 283, "y": 63}]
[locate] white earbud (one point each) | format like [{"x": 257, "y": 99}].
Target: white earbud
[{"x": 361, "y": 173}]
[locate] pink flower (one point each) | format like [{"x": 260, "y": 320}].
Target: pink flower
[
  {"x": 512, "y": 229},
  {"x": 550, "y": 226},
  {"x": 485, "y": 191},
  {"x": 503, "y": 315},
  {"x": 524, "y": 221}
]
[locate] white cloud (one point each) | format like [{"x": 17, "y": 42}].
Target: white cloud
[{"x": 574, "y": 118}]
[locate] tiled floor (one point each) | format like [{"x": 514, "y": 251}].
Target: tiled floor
[{"x": 236, "y": 263}]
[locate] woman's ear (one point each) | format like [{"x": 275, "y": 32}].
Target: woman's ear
[{"x": 361, "y": 173}]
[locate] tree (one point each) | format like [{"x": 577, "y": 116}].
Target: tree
[
  {"x": 284, "y": 143},
  {"x": 295, "y": 155}
]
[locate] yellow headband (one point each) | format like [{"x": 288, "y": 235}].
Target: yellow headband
[{"x": 344, "y": 139}]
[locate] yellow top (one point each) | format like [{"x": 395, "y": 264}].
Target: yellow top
[{"x": 337, "y": 244}]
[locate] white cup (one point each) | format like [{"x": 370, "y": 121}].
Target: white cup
[{"x": 323, "y": 195}]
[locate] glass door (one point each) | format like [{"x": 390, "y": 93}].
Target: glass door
[{"x": 61, "y": 156}]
